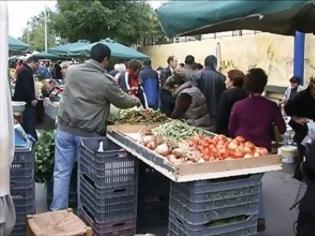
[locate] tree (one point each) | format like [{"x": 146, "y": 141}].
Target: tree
[
  {"x": 34, "y": 33},
  {"x": 124, "y": 21}
]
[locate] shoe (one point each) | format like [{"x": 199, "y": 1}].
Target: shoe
[{"x": 261, "y": 225}]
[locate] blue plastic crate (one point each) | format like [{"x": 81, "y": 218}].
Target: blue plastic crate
[
  {"x": 124, "y": 227},
  {"x": 246, "y": 226},
  {"x": 112, "y": 167}
]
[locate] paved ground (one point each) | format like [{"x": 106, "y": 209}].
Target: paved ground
[{"x": 279, "y": 193}]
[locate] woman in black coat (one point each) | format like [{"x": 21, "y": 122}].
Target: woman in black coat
[
  {"x": 234, "y": 93},
  {"x": 301, "y": 109}
]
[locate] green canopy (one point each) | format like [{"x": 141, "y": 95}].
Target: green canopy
[
  {"x": 16, "y": 45},
  {"x": 47, "y": 55},
  {"x": 201, "y": 17},
  {"x": 64, "y": 50},
  {"x": 118, "y": 50}
]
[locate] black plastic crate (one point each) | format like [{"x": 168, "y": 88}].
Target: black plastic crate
[
  {"x": 114, "y": 166},
  {"x": 23, "y": 197},
  {"x": 109, "y": 196},
  {"x": 245, "y": 226},
  {"x": 210, "y": 190},
  {"x": 204, "y": 201},
  {"x": 22, "y": 182},
  {"x": 19, "y": 230},
  {"x": 22, "y": 212},
  {"x": 23, "y": 160},
  {"x": 109, "y": 212},
  {"x": 124, "y": 227},
  {"x": 152, "y": 183}
]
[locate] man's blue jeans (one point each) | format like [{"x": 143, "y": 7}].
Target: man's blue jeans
[{"x": 66, "y": 153}]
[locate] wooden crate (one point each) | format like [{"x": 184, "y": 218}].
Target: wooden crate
[{"x": 56, "y": 223}]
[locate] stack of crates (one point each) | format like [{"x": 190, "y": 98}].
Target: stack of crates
[
  {"x": 108, "y": 188},
  {"x": 22, "y": 186},
  {"x": 153, "y": 197},
  {"x": 225, "y": 207}
]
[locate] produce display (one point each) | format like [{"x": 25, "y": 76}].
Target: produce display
[
  {"x": 181, "y": 143},
  {"x": 140, "y": 116},
  {"x": 177, "y": 130},
  {"x": 221, "y": 147}
]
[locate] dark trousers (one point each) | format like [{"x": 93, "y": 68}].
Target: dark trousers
[
  {"x": 305, "y": 224},
  {"x": 29, "y": 121}
]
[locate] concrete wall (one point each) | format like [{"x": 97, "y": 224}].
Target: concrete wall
[{"x": 273, "y": 53}]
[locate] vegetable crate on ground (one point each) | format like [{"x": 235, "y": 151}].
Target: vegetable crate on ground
[
  {"x": 22, "y": 187},
  {"x": 215, "y": 207},
  {"x": 108, "y": 187},
  {"x": 153, "y": 197}
]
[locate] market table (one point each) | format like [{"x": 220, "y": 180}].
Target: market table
[{"x": 126, "y": 137}]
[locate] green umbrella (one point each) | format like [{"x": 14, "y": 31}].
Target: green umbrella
[
  {"x": 200, "y": 17},
  {"x": 16, "y": 45},
  {"x": 118, "y": 50},
  {"x": 47, "y": 55},
  {"x": 64, "y": 50}
]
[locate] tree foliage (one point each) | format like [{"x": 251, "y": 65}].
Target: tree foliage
[
  {"x": 34, "y": 33},
  {"x": 124, "y": 21}
]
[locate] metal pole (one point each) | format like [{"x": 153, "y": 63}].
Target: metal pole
[
  {"x": 46, "y": 43},
  {"x": 299, "y": 46}
]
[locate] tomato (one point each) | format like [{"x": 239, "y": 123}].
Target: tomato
[
  {"x": 232, "y": 145},
  {"x": 238, "y": 154},
  {"x": 206, "y": 157},
  {"x": 204, "y": 143}
]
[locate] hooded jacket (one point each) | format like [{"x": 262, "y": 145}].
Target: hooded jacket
[{"x": 85, "y": 104}]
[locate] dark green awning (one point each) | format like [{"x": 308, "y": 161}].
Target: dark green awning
[
  {"x": 201, "y": 17},
  {"x": 16, "y": 45},
  {"x": 118, "y": 50}
]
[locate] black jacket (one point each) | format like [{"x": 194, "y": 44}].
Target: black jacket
[
  {"x": 165, "y": 73},
  {"x": 302, "y": 105},
  {"x": 167, "y": 102},
  {"x": 211, "y": 83},
  {"x": 24, "y": 87},
  {"x": 228, "y": 98}
]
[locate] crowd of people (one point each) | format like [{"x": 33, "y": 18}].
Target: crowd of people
[{"x": 232, "y": 105}]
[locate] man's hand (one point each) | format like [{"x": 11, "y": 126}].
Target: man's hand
[
  {"x": 34, "y": 102},
  {"x": 301, "y": 120}
]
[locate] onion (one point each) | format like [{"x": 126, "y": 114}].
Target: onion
[
  {"x": 178, "y": 152},
  {"x": 162, "y": 149},
  {"x": 151, "y": 145},
  {"x": 147, "y": 139}
]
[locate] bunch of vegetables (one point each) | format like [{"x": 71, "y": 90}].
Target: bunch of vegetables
[
  {"x": 177, "y": 130},
  {"x": 45, "y": 151},
  {"x": 173, "y": 151},
  {"x": 141, "y": 116},
  {"x": 221, "y": 147}
]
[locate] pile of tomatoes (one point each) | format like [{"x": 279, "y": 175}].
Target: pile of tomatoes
[{"x": 221, "y": 147}]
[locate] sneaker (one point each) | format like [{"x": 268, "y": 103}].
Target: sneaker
[{"x": 261, "y": 225}]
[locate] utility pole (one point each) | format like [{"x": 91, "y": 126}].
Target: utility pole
[{"x": 46, "y": 38}]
